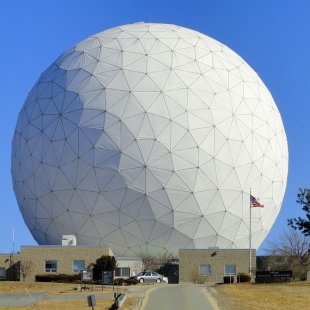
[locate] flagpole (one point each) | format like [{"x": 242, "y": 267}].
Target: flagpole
[
  {"x": 13, "y": 240},
  {"x": 250, "y": 238}
]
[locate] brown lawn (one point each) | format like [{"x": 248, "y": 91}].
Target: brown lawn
[
  {"x": 49, "y": 288},
  {"x": 103, "y": 304},
  {"x": 56, "y": 289},
  {"x": 248, "y": 296}
]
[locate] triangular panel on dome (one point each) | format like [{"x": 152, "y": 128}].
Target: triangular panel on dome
[
  {"x": 64, "y": 224},
  {"x": 114, "y": 59},
  {"x": 91, "y": 118},
  {"x": 125, "y": 219},
  {"x": 140, "y": 65},
  {"x": 158, "y": 123},
  {"x": 53, "y": 231},
  {"x": 188, "y": 176},
  {"x": 225, "y": 243},
  {"x": 206, "y": 242},
  {"x": 42, "y": 224},
  {"x": 147, "y": 40},
  {"x": 178, "y": 95},
  {"x": 132, "y": 208},
  {"x": 181, "y": 217},
  {"x": 204, "y": 229},
  {"x": 243, "y": 234},
  {"x": 103, "y": 177},
  {"x": 89, "y": 229},
  {"x": 119, "y": 82},
  {"x": 130, "y": 174},
  {"x": 115, "y": 183},
  {"x": 159, "y": 209},
  {"x": 115, "y": 196},
  {"x": 134, "y": 123},
  {"x": 146, "y": 227},
  {"x": 189, "y": 205},
  {"x": 89, "y": 199},
  {"x": 134, "y": 230},
  {"x": 162, "y": 175},
  {"x": 103, "y": 205},
  {"x": 181, "y": 163},
  {"x": 222, "y": 171},
  {"x": 204, "y": 199},
  {"x": 146, "y": 130},
  {"x": 111, "y": 218},
  {"x": 202, "y": 182},
  {"x": 177, "y": 240},
  {"x": 176, "y": 182},
  {"x": 230, "y": 226},
  {"x": 217, "y": 204},
  {"x": 130, "y": 59},
  {"x": 146, "y": 212},
  {"x": 152, "y": 183},
  {"x": 133, "y": 78}
]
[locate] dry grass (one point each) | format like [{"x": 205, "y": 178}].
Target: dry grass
[
  {"x": 248, "y": 296},
  {"x": 130, "y": 303},
  {"x": 56, "y": 289},
  {"x": 49, "y": 288},
  {"x": 103, "y": 304}
]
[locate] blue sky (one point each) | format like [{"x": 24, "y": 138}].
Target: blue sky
[{"x": 272, "y": 36}]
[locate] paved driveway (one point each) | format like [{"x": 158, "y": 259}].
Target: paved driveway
[{"x": 181, "y": 297}]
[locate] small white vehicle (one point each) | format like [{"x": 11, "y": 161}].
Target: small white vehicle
[{"x": 150, "y": 276}]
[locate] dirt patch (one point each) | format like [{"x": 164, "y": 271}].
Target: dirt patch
[{"x": 246, "y": 296}]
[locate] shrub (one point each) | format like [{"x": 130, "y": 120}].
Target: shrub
[
  {"x": 243, "y": 277},
  {"x": 60, "y": 278},
  {"x": 228, "y": 279},
  {"x": 119, "y": 281},
  {"x": 122, "y": 281},
  {"x": 131, "y": 281},
  {"x": 195, "y": 277}
]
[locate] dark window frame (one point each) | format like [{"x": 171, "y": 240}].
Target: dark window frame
[
  {"x": 78, "y": 270},
  {"x": 51, "y": 268},
  {"x": 205, "y": 273}
]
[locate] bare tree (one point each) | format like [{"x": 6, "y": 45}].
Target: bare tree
[
  {"x": 290, "y": 251},
  {"x": 25, "y": 268},
  {"x": 151, "y": 262}
]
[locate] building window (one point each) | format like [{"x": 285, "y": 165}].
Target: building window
[
  {"x": 230, "y": 269},
  {"x": 51, "y": 266},
  {"x": 205, "y": 270},
  {"x": 2, "y": 273},
  {"x": 78, "y": 265},
  {"x": 122, "y": 272}
]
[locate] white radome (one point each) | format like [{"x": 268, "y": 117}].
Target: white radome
[{"x": 147, "y": 138}]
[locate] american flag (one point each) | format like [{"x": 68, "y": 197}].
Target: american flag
[{"x": 254, "y": 203}]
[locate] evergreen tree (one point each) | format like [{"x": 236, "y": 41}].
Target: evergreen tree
[
  {"x": 303, "y": 224},
  {"x": 104, "y": 263}
]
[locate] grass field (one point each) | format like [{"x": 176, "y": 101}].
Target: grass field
[
  {"x": 49, "y": 288},
  {"x": 8, "y": 287},
  {"x": 103, "y": 304},
  {"x": 246, "y": 296}
]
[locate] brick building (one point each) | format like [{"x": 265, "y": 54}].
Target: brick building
[{"x": 211, "y": 265}]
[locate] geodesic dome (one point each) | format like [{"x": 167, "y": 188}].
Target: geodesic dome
[{"x": 148, "y": 138}]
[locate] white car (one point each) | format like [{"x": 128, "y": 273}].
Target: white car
[{"x": 150, "y": 276}]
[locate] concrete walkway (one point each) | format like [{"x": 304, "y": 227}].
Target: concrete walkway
[{"x": 179, "y": 296}]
